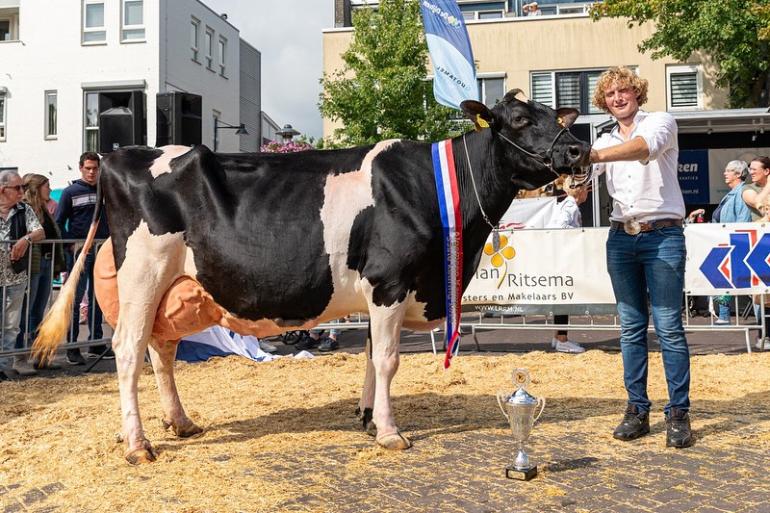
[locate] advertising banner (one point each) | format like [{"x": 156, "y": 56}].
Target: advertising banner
[
  {"x": 540, "y": 271},
  {"x": 694, "y": 175},
  {"x": 727, "y": 259}
]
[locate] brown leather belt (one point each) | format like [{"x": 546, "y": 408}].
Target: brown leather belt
[{"x": 636, "y": 227}]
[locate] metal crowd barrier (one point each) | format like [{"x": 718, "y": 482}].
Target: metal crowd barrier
[
  {"x": 472, "y": 322},
  {"x": 592, "y": 321},
  {"x": 57, "y": 246}
]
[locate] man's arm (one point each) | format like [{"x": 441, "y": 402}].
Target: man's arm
[
  {"x": 756, "y": 199},
  {"x": 635, "y": 149},
  {"x": 63, "y": 212}
]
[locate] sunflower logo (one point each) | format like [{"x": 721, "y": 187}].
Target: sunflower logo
[{"x": 501, "y": 256}]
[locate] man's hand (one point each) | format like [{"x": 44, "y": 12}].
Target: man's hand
[
  {"x": 18, "y": 249},
  {"x": 594, "y": 157}
]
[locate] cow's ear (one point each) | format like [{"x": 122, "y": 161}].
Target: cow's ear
[
  {"x": 513, "y": 94},
  {"x": 477, "y": 112},
  {"x": 567, "y": 117}
]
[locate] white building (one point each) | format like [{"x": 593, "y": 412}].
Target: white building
[{"x": 63, "y": 62}]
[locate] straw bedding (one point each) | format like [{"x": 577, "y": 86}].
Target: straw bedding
[{"x": 265, "y": 422}]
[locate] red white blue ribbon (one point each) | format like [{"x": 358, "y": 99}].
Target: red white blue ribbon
[{"x": 451, "y": 221}]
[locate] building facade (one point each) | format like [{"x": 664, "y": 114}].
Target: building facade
[
  {"x": 554, "y": 57},
  {"x": 66, "y": 63}
]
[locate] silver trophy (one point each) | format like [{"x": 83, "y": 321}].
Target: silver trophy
[{"x": 520, "y": 409}]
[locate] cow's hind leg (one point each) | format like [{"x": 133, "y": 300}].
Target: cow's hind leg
[
  {"x": 163, "y": 354},
  {"x": 151, "y": 264},
  {"x": 365, "y": 406},
  {"x": 386, "y": 332}
]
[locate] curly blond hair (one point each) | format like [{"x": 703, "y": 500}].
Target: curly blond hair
[{"x": 624, "y": 77}]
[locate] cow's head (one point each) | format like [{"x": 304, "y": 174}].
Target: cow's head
[{"x": 535, "y": 135}]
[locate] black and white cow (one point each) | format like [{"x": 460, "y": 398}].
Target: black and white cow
[{"x": 281, "y": 241}]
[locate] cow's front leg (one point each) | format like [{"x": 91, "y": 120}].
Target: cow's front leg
[
  {"x": 386, "y": 332},
  {"x": 163, "y": 354},
  {"x": 366, "y": 404}
]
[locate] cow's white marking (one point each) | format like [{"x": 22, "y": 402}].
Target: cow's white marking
[
  {"x": 162, "y": 164},
  {"x": 345, "y": 196}
]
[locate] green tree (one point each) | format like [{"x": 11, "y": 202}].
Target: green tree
[
  {"x": 382, "y": 91},
  {"x": 734, "y": 33}
]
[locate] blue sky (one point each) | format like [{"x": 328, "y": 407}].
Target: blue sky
[{"x": 288, "y": 34}]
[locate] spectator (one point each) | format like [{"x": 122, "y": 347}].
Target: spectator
[
  {"x": 74, "y": 215},
  {"x": 46, "y": 261},
  {"x": 18, "y": 223},
  {"x": 645, "y": 249},
  {"x": 532, "y": 9},
  {"x": 567, "y": 215},
  {"x": 755, "y": 195},
  {"x": 314, "y": 338}
]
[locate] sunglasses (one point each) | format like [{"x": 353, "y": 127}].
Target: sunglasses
[{"x": 17, "y": 188}]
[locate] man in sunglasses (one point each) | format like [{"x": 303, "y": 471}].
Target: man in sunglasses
[
  {"x": 74, "y": 215},
  {"x": 20, "y": 227}
]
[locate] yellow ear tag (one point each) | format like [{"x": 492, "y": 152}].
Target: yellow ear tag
[
  {"x": 560, "y": 120},
  {"x": 481, "y": 121}
]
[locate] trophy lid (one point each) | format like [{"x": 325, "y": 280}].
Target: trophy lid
[{"x": 521, "y": 396}]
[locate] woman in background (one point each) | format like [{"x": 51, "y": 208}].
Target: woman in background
[{"x": 37, "y": 194}]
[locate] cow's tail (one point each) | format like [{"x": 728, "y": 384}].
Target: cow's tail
[{"x": 57, "y": 321}]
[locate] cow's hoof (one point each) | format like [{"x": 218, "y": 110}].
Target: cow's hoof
[
  {"x": 186, "y": 431},
  {"x": 394, "y": 441},
  {"x": 145, "y": 454},
  {"x": 366, "y": 421}
]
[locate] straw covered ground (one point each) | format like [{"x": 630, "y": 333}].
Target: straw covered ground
[{"x": 282, "y": 436}]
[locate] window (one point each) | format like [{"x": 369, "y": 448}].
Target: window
[
  {"x": 541, "y": 85},
  {"x": 93, "y": 22},
  {"x": 9, "y": 23},
  {"x": 91, "y": 123},
  {"x": 209, "y": 48},
  {"x": 489, "y": 15},
  {"x": 222, "y": 54},
  {"x": 684, "y": 88},
  {"x": 50, "y": 115},
  {"x": 483, "y": 11},
  {"x": 195, "y": 31},
  {"x": 3, "y": 110},
  {"x": 132, "y": 21},
  {"x": 565, "y": 89},
  {"x": 491, "y": 90}
]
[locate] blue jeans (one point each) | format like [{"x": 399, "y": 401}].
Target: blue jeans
[
  {"x": 650, "y": 265},
  {"x": 11, "y": 298},
  {"x": 94, "y": 312},
  {"x": 39, "y": 292}
]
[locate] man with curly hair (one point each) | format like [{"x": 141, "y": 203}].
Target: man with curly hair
[{"x": 645, "y": 248}]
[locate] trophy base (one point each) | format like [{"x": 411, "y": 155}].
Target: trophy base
[{"x": 512, "y": 472}]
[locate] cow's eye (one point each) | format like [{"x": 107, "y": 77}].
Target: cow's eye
[{"x": 521, "y": 120}]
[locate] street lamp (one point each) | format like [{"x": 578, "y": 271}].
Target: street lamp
[
  {"x": 221, "y": 125},
  {"x": 287, "y": 133}
]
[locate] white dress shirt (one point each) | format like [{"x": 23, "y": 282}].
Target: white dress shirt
[
  {"x": 566, "y": 215},
  {"x": 645, "y": 191}
]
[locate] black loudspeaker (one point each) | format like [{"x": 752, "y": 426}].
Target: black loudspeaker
[
  {"x": 121, "y": 120},
  {"x": 178, "y": 119}
]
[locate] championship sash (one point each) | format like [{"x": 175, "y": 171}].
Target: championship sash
[{"x": 451, "y": 221}]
